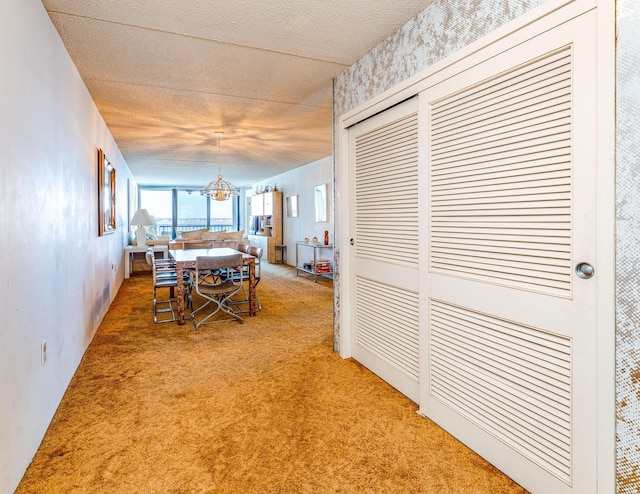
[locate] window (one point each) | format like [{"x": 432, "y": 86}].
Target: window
[
  {"x": 221, "y": 214},
  {"x": 192, "y": 211},
  {"x": 180, "y": 210},
  {"x": 159, "y": 205}
]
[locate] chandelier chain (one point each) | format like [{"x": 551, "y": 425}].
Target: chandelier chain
[{"x": 220, "y": 189}]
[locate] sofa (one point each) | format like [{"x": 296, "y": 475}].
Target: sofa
[
  {"x": 189, "y": 240},
  {"x": 204, "y": 238}
]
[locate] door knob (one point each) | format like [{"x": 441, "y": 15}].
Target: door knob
[{"x": 585, "y": 270}]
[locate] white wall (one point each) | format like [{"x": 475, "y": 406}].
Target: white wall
[
  {"x": 302, "y": 181},
  {"x": 58, "y": 276}
]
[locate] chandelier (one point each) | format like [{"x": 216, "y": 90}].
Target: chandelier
[{"x": 219, "y": 190}]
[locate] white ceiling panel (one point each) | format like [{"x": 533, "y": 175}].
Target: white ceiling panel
[{"x": 167, "y": 74}]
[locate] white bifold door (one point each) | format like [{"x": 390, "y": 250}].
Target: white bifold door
[
  {"x": 384, "y": 157},
  {"x": 474, "y": 255}
]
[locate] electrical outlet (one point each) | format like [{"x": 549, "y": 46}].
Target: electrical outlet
[{"x": 43, "y": 352}]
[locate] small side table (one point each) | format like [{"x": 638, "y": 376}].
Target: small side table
[
  {"x": 313, "y": 268},
  {"x": 129, "y": 250},
  {"x": 281, "y": 254}
]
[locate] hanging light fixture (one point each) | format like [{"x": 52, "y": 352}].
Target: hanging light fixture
[{"x": 219, "y": 190}]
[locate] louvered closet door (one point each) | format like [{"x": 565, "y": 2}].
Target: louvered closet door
[
  {"x": 510, "y": 364},
  {"x": 384, "y": 226}
]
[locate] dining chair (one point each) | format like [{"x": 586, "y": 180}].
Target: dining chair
[
  {"x": 217, "y": 290},
  {"x": 245, "y": 301},
  {"x": 165, "y": 276},
  {"x": 242, "y": 247}
]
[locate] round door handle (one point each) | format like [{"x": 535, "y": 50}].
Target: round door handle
[{"x": 585, "y": 270}]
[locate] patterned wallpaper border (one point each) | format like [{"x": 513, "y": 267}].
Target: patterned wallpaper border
[
  {"x": 441, "y": 29},
  {"x": 628, "y": 240}
]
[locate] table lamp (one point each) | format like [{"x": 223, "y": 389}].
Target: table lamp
[{"x": 142, "y": 218}]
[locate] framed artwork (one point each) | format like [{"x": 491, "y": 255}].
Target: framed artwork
[
  {"x": 292, "y": 206},
  {"x": 321, "y": 201},
  {"x": 106, "y": 195}
]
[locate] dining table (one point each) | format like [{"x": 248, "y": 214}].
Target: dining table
[{"x": 186, "y": 259}]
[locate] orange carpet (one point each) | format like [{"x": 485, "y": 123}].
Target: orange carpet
[{"x": 260, "y": 407}]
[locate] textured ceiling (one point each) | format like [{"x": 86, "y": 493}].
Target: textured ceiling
[{"x": 167, "y": 74}]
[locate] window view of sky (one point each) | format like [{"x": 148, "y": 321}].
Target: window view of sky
[{"x": 192, "y": 210}]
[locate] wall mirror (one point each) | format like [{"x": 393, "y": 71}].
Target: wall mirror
[
  {"x": 321, "y": 200},
  {"x": 106, "y": 195},
  {"x": 292, "y": 206}
]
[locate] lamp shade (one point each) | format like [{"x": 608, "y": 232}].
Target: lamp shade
[{"x": 142, "y": 218}]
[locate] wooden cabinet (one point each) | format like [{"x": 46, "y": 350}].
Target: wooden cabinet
[
  {"x": 268, "y": 203},
  {"x": 259, "y": 241},
  {"x": 257, "y": 205},
  {"x": 267, "y": 209}
]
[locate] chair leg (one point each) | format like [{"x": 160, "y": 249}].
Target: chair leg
[
  {"x": 159, "y": 305},
  {"x": 245, "y": 300},
  {"x": 158, "y": 308},
  {"x": 222, "y": 306}
]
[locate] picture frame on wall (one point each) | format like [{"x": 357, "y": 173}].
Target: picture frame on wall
[
  {"x": 292, "y": 206},
  {"x": 322, "y": 203},
  {"x": 106, "y": 195}
]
